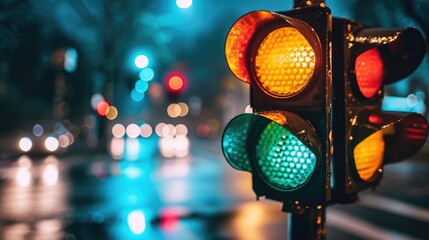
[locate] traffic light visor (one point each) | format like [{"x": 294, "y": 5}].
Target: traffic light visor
[
  {"x": 272, "y": 145},
  {"x": 239, "y": 38},
  {"x": 379, "y": 137},
  {"x": 402, "y": 49},
  {"x": 235, "y": 142},
  {"x": 281, "y": 52},
  {"x": 404, "y": 136}
]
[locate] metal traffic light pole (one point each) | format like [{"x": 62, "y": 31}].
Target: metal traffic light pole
[{"x": 308, "y": 225}]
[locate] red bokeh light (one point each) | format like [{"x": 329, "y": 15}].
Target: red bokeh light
[
  {"x": 102, "y": 108},
  {"x": 176, "y": 83}
]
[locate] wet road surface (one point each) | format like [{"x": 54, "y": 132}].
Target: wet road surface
[{"x": 95, "y": 196}]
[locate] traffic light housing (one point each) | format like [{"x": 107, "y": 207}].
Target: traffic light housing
[
  {"x": 285, "y": 57},
  {"x": 365, "y": 137}
]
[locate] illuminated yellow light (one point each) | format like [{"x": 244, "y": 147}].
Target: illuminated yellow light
[
  {"x": 369, "y": 155},
  {"x": 285, "y": 62}
]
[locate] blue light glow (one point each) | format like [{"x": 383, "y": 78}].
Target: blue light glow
[
  {"x": 132, "y": 172},
  {"x": 70, "y": 61},
  {"x": 137, "y": 96},
  {"x": 412, "y": 103},
  {"x": 132, "y": 148},
  {"x": 141, "y": 86},
  {"x": 146, "y": 74}
]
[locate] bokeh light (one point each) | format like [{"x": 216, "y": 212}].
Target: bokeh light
[
  {"x": 146, "y": 74},
  {"x": 51, "y": 144},
  {"x": 141, "y": 61},
  {"x": 23, "y": 176},
  {"x": 184, "y": 109},
  {"x": 181, "y": 130},
  {"x": 118, "y": 130},
  {"x": 117, "y": 147},
  {"x": 95, "y": 100},
  {"x": 173, "y": 110},
  {"x": 137, "y": 221},
  {"x": 63, "y": 141},
  {"x": 141, "y": 86},
  {"x": 175, "y": 83},
  {"x": 145, "y": 130},
  {"x": 168, "y": 131},
  {"x": 50, "y": 173},
  {"x": 102, "y": 108},
  {"x": 203, "y": 130},
  {"x": 70, "y": 60},
  {"x": 136, "y": 95},
  {"x": 112, "y": 113},
  {"x": 25, "y": 144},
  {"x": 133, "y": 130},
  {"x": 158, "y": 129},
  {"x": 184, "y": 3},
  {"x": 132, "y": 149},
  {"x": 37, "y": 130}
]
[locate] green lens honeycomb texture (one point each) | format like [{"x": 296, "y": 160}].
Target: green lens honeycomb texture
[
  {"x": 283, "y": 159},
  {"x": 234, "y": 143}
]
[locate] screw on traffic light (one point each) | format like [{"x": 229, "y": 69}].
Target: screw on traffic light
[
  {"x": 285, "y": 143},
  {"x": 365, "y": 137}
]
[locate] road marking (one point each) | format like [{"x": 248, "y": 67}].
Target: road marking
[
  {"x": 394, "y": 206},
  {"x": 343, "y": 221}
]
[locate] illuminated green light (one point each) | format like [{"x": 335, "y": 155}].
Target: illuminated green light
[
  {"x": 234, "y": 143},
  {"x": 283, "y": 159}
]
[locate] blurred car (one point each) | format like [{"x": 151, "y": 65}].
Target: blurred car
[{"x": 47, "y": 137}]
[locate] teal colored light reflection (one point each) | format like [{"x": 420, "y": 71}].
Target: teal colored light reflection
[
  {"x": 283, "y": 159},
  {"x": 146, "y": 74},
  {"x": 141, "y": 86},
  {"x": 234, "y": 143},
  {"x": 137, "y": 96}
]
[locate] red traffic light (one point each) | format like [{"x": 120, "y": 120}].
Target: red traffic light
[{"x": 369, "y": 69}]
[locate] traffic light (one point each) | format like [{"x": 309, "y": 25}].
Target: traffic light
[
  {"x": 285, "y": 144},
  {"x": 366, "y": 138}
]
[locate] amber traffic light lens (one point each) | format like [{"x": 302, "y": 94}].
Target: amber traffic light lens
[
  {"x": 368, "y": 155},
  {"x": 369, "y": 69},
  {"x": 285, "y": 62}
]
